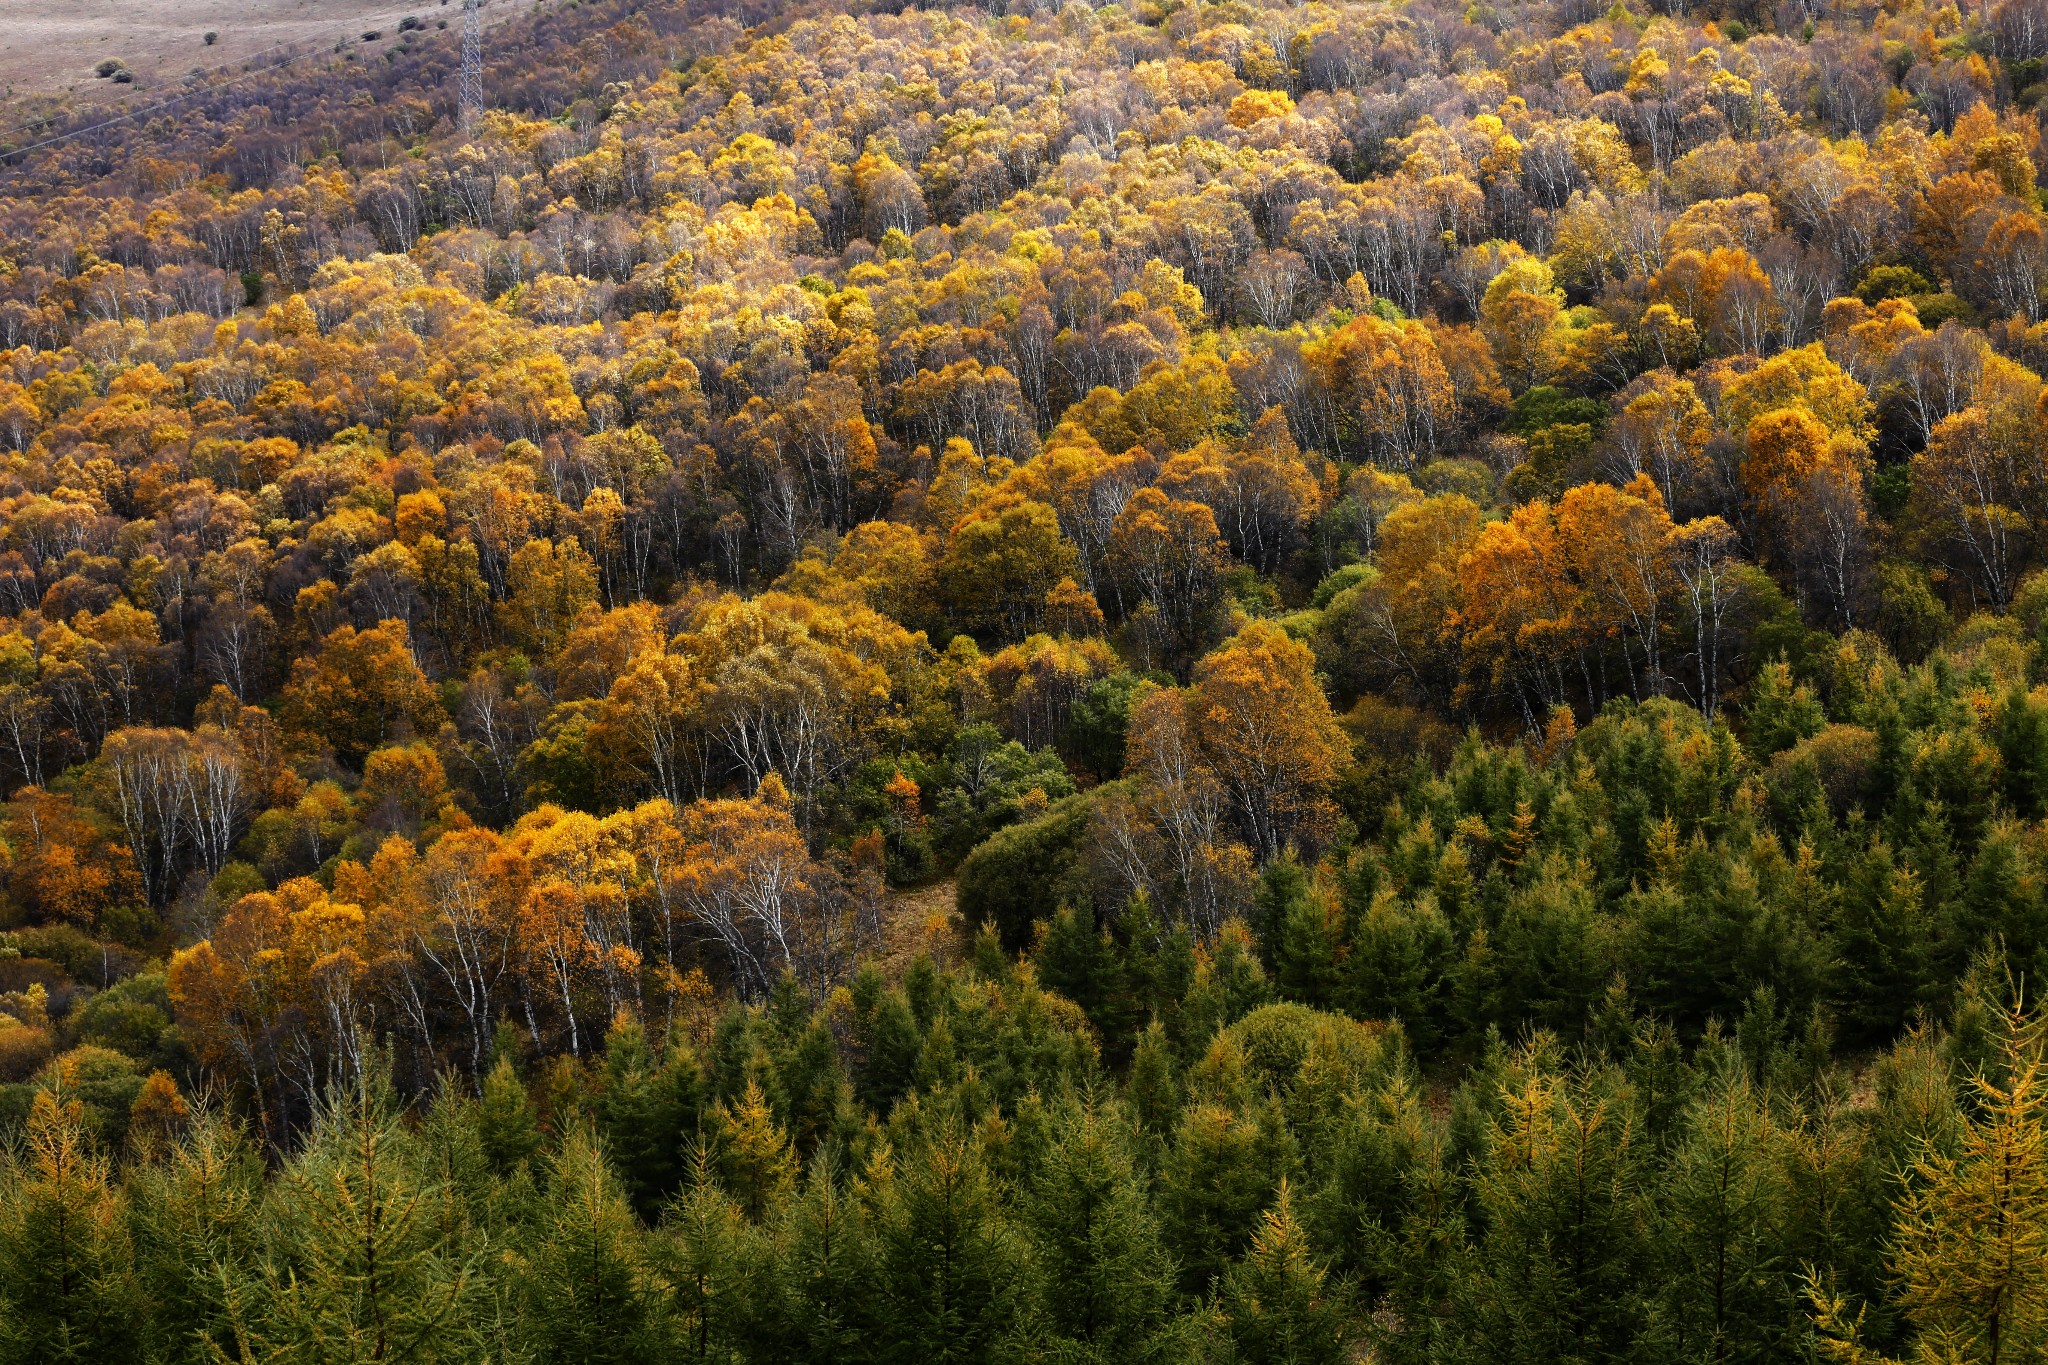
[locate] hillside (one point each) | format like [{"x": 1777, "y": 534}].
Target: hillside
[
  {"x": 1230, "y": 682},
  {"x": 59, "y": 49}
]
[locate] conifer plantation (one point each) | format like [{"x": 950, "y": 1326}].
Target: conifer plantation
[{"x": 1252, "y": 683}]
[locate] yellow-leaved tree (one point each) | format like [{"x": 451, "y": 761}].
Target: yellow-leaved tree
[{"x": 1970, "y": 1247}]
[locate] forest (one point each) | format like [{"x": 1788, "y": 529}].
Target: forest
[{"x": 1250, "y": 682}]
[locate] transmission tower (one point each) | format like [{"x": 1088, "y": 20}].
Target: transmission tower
[{"x": 470, "y": 101}]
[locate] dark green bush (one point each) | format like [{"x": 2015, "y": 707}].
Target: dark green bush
[{"x": 1024, "y": 873}]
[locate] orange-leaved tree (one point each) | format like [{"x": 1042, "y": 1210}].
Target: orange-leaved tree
[
  {"x": 360, "y": 689},
  {"x": 1267, "y": 731}
]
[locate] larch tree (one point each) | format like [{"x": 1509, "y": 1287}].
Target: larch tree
[
  {"x": 1098, "y": 1244},
  {"x": 67, "y": 1272},
  {"x": 588, "y": 1290},
  {"x": 357, "y": 1265},
  {"x": 1970, "y": 1249},
  {"x": 1279, "y": 1305}
]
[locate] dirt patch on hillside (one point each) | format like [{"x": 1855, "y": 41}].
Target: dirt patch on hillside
[
  {"x": 52, "y": 49},
  {"x": 920, "y": 921}
]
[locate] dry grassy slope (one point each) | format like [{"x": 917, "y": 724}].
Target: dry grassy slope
[
  {"x": 50, "y": 47},
  {"x": 920, "y": 921}
]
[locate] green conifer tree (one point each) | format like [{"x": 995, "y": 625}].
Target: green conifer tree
[
  {"x": 1728, "y": 1294},
  {"x": 1079, "y": 961},
  {"x": 195, "y": 1234},
  {"x": 1226, "y": 986},
  {"x": 1880, "y": 945},
  {"x": 1558, "y": 1270},
  {"x": 1109, "y": 1282},
  {"x": 67, "y": 1275},
  {"x": 753, "y": 1156},
  {"x": 1152, "y": 1087},
  {"x": 1999, "y": 908},
  {"x": 822, "y": 1273},
  {"x": 647, "y": 1113},
  {"x": 1300, "y": 932},
  {"x": 806, "y": 1086},
  {"x": 950, "y": 1281},
  {"x": 1837, "y": 1194},
  {"x": 1278, "y": 1305},
  {"x": 1418, "y": 1261},
  {"x": 1970, "y": 1251},
  {"x": 506, "y": 1123},
  {"x": 586, "y": 1287},
  {"x": 1222, "y": 1172},
  {"x": 1398, "y": 957},
  {"x": 2021, "y": 729},
  {"x": 886, "y": 1040},
  {"x": 708, "y": 1254},
  {"x": 358, "y": 1265}
]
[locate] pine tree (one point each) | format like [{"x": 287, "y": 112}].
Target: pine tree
[
  {"x": 1916, "y": 1096},
  {"x": 505, "y": 1119},
  {"x": 647, "y": 1113},
  {"x": 754, "y": 1160},
  {"x": 707, "y": 1254},
  {"x": 1222, "y": 1172},
  {"x": 1300, "y": 934},
  {"x": 822, "y": 1273},
  {"x": 1076, "y": 959},
  {"x": 586, "y": 1285},
  {"x": 1278, "y": 1307},
  {"x": 1399, "y": 956},
  {"x": 67, "y": 1277},
  {"x": 1228, "y": 984},
  {"x": 1422, "y": 1260},
  {"x": 1999, "y": 906},
  {"x": 1881, "y": 946},
  {"x": 1152, "y": 1089},
  {"x": 1363, "y": 1151},
  {"x": 1929, "y": 846},
  {"x": 806, "y": 1085},
  {"x": 2022, "y": 732},
  {"x": 1558, "y": 1268},
  {"x": 468, "y": 1193},
  {"x": 1836, "y": 1194},
  {"x": 1158, "y": 959},
  {"x": 886, "y": 1040},
  {"x": 1779, "y": 713}
]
